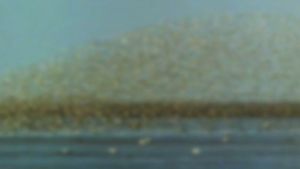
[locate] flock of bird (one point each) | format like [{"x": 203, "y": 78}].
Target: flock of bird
[{"x": 213, "y": 58}]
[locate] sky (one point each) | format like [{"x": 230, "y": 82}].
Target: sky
[{"x": 32, "y": 31}]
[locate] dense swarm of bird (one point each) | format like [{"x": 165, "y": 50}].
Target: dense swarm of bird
[{"x": 192, "y": 67}]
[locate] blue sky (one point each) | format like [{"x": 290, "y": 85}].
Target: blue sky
[{"x": 34, "y": 30}]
